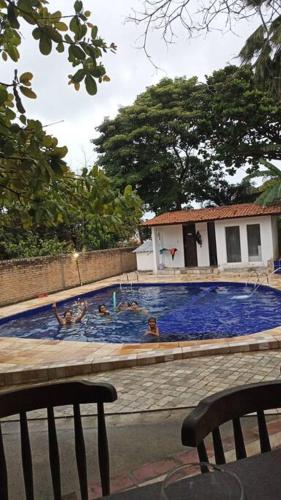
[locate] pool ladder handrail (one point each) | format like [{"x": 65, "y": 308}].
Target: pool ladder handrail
[
  {"x": 259, "y": 281},
  {"x": 127, "y": 277}
]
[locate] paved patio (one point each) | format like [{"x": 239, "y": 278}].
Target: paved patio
[
  {"x": 184, "y": 383},
  {"x": 179, "y": 384}
]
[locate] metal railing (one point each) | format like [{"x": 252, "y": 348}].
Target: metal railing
[
  {"x": 259, "y": 281},
  {"x": 129, "y": 278}
]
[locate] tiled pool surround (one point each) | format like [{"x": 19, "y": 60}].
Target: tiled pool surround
[{"x": 26, "y": 361}]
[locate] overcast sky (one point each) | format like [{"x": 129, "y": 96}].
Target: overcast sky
[{"x": 129, "y": 70}]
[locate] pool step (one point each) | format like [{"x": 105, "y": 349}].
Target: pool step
[
  {"x": 207, "y": 271},
  {"x": 200, "y": 270},
  {"x": 188, "y": 270}
]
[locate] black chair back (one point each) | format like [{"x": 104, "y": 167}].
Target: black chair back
[
  {"x": 49, "y": 396},
  {"x": 231, "y": 405}
]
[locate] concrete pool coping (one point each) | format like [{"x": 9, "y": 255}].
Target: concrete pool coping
[{"x": 24, "y": 361}]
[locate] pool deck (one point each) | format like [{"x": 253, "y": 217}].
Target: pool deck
[{"x": 24, "y": 361}]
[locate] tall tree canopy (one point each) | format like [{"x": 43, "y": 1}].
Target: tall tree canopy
[
  {"x": 245, "y": 120},
  {"x": 175, "y": 143},
  {"x": 155, "y": 144},
  {"x": 262, "y": 49}
]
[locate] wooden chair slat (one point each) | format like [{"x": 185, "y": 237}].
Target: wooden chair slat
[
  {"x": 54, "y": 454},
  {"x": 202, "y": 452},
  {"x": 26, "y": 457},
  {"x": 49, "y": 396},
  {"x": 238, "y": 439},
  {"x": 3, "y": 470},
  {"x": 218, "y": 448},
  {"x": 103, "y": 451},
  {"x": 80, "y": 452},
  {"x": 264, "y": 438},
  {"x": 231, "y": 405}
]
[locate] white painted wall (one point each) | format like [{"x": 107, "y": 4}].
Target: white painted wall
[
  {"x": 276, "y": 254},
  {"x": 171, "y": 237},
  {"x": 155, "y": 248},
  {"x": 268, "y": 238},
  {"x": 203, "y": 257},
  {"x": 144, "y": 261},
  {"x": 168, "y": 237}
]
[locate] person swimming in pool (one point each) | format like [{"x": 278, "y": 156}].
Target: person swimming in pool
[
  {"x": 103, "y": 311},
  {"x": 68, "y": 317},
  {"x": 153, "y": 329},
  {"x": 134, "y": 306},
  {"x": 123, "y": 306},
  {"x": 131, "y": 306}
]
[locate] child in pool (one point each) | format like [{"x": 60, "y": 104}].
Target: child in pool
[
  {"x": 135, "y": 307},
  {"x": 103, "y": 311},
  {"x": 123, "y": 306},
  {"x": 68, "y": 318},
  {"x": 153, "y": 329}
]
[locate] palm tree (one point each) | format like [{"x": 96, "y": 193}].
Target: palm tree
[
  {"x": 271, "y": 188},
  {"x": 263, "y": 50}
]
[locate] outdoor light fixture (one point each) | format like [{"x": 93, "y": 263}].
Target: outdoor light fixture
[
  {"x": 198, "y": 238},
  {"x": 75, "y": 256}
]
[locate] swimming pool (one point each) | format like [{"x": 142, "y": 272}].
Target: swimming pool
[{"x": 191, "y": 311}]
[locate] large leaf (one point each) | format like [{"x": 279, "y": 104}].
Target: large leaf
[
  {"x": 12, "y": 16},
  {"x": 78, "y": 76},
  {"x": 3, "y": 94},
  {"x": 45, "y": 44},
  {"x": 90, "y": 85},
  {"x": 27, "y": 92},
  {"x": 275, "y": 171},
  {"x": 77, "y": 52},
  {"x": 26, "y": 77},
  {"x": 78, "y": 5}
]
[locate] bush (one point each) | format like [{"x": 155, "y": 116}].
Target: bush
[{"x": 33, "y": 246}]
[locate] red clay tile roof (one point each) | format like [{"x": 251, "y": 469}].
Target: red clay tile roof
[{"x": 213, "y": 213}]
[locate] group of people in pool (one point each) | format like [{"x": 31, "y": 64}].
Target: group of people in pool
[
  {"x": 68, "y": 318},
  {"x": 123, "y": 306}
]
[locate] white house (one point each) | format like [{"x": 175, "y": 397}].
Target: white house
[
  {"x": 144, "y": 255},
  {"x": 233, "y": 236}
]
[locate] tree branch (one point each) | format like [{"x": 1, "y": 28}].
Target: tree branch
[{"x": 162, "y": 15}]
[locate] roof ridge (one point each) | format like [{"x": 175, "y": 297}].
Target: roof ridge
[{"x": 237, "y": 210}]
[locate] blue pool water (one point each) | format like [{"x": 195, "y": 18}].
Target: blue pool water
[{"x": 190, "y": 311}]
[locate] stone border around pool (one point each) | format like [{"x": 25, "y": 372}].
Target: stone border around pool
[{"x": 24, "y": 361}]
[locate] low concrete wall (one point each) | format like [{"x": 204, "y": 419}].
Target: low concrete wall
[{"x": 23, "y": 279}]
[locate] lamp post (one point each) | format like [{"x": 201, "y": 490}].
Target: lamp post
[{"x": 76, "y": 257}]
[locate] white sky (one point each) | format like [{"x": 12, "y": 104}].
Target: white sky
[{"x": 129, "y": 70}]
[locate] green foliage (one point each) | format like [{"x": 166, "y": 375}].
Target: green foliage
[
  {"x": 271, "y": 187},
  {"x": 97, "y": 215},
  {"x": 30, "y": 160},
  {"x": 154, "y": 144},
  {"x": 263, "y": 50},
  {"x": 30, "y": 245},
  {"x": 228, "y": 194},
  {"x": 44, "y": 207},
  {"x": 77, "y": 212},
  {"x": 179, "y": 138},
  {"x": 79, "y": 37},
  {"x": 244, "y": 119}
]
